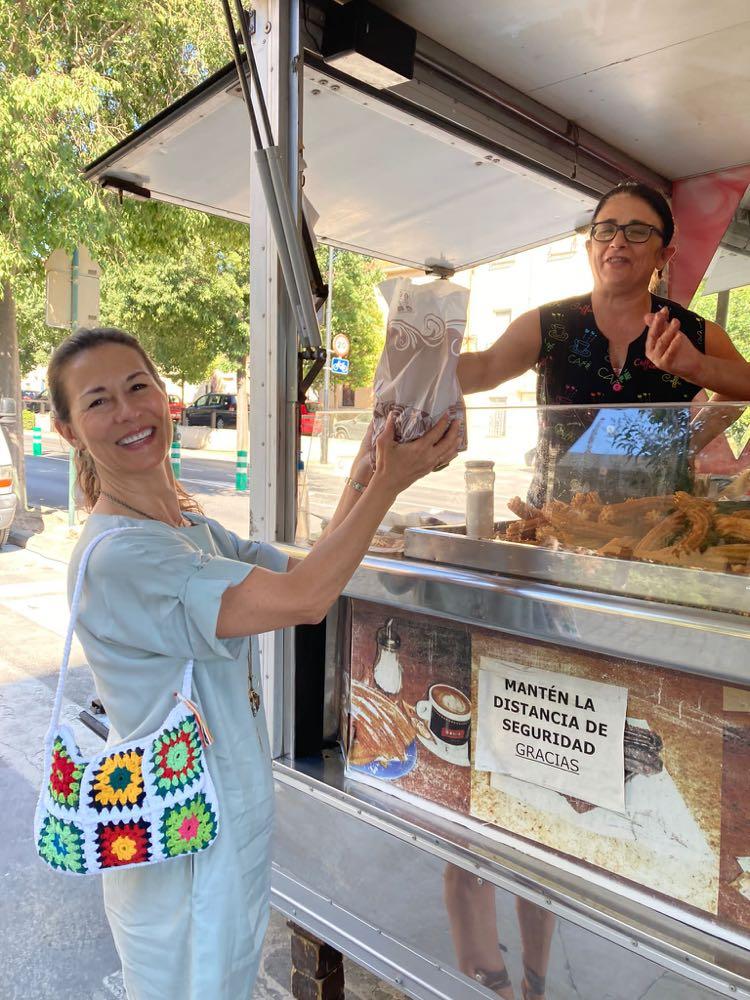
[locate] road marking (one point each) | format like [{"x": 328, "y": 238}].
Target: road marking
[
  {"x": 193, "y": 482},
  {"x": 48, "y": 611},
  {"x": 33, "y": 589},
  {"x": 206, "y": 482}
]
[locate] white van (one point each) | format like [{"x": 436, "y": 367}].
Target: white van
[{"x": 8, "y": 499}]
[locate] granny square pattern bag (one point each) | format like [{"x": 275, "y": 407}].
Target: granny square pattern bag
[{"x": 139, "y": 802}]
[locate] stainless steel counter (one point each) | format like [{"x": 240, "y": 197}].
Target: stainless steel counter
[{"x": 709, "y": 643}]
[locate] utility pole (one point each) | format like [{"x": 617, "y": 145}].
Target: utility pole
[
  {"x": 722, "y": 308},
  {"x": 327, "y": 369},
  {"x": 72, "y": 296}
]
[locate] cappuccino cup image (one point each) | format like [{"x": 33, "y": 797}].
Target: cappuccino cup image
[{"x": 450, "y": 715}]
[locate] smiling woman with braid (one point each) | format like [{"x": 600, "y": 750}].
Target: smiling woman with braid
[{"x": 177, "y": 587}]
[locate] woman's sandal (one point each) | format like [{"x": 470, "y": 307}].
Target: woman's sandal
[
  {"x": 493, "y": 980},
  {"x": 533, "y": 984}
]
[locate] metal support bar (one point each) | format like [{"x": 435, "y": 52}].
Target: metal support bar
[
  {"x": 307, "y": 378},
  {"x": 295, "y": 268}
]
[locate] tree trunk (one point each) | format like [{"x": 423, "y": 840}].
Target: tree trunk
[
  {"x": 10, "y": 385},
  {"x": 243, "y": 431}
]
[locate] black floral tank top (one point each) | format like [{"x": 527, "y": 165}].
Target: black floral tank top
[{"x": 574, "y": 367}]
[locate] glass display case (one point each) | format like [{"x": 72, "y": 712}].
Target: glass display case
[
  {"x": 650, "y": 501},
  {"x": 569, "y": 679}
]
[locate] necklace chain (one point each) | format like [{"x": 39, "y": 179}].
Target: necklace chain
[{"x": 135, "y": 510}]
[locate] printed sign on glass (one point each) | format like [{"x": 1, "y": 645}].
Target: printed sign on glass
[{"x": 562, "y": 732}]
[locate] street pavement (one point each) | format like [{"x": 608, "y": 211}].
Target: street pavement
[
  {"x": 210, "y": 477},
  {"x": 211, "y": 480}
]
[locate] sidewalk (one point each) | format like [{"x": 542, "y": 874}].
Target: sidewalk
[{"x": 46, "y": 532}]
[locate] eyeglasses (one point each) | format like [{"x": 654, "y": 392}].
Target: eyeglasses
[{"x": 634, "y": 232}]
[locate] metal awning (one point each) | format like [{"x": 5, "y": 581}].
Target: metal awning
[
  {"x": 497, "y": 143},
  {"x": 666, "y": 83},
  {"x": 382, "y": 181}
]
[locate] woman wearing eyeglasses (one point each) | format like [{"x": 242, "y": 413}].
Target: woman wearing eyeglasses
[{"x": 619, "y": 343}]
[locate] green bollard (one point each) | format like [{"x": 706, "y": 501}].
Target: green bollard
[
  {"x": 36, "y": 441},
  {"x": 240, "y": 479},
  {"x": 175, "y": 458}
]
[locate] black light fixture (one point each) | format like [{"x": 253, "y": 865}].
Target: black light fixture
[
  {"x": 124, "y": 187},
  {"x": 364, "y": 42}
]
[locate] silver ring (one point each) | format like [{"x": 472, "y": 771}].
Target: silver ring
[{"x": 441, "y": 465}]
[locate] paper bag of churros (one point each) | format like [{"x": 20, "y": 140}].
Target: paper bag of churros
[{"x": 416, "y": 377}]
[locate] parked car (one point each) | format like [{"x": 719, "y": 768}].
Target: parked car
[
  {"x": 37, "y": 402},
  {"x": 309, "y": 421},
  {"x": 176, "y": 408},
  {"x": 354, "y": 427},
  {"x": 215, "y": 409},
  {"x": 8, "y": 499}
]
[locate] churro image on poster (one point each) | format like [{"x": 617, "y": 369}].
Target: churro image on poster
[{"x": 410, "y": 709}]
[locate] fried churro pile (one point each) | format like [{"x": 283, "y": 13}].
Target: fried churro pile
[{"x": 675, "y": 530}]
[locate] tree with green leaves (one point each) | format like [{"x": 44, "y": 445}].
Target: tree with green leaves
[
  {"x": 738, "y": 320},
  {"x": 77, "y": 76},
  {"x": 188, "y": 309},
  {"x": 356, "y": 311}
]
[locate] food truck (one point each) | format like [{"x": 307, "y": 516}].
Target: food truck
[{"x": 545, "y": 728}]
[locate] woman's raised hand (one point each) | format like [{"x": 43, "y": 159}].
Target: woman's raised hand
[
  {"x": 669, "y": 349},
  {"x": 400, "y": 465}
]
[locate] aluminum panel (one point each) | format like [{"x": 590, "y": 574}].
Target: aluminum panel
[
  {"x": 395, "y": 187},
  {"x": 343, "y": 872},
  {"x": 672, "y": 584},
  {"x": 666, "y": 83}
]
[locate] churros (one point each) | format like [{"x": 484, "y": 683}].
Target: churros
[
  {"x": 382, "y": 729},
  {"x": 733, "y": 527},
  {"x": 675, "y": 530},
  {"x": 662, "y": 534},
  {"x": 629, "y": 510},
  {"x": 698, "y": 518}
]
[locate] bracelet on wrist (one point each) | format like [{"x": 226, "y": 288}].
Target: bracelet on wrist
[{"x": 359, "y": 487}]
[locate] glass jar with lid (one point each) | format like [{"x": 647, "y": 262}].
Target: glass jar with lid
[{"x": 480, "y": 499}]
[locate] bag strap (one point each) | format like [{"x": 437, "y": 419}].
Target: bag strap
[{"x": 187, "y": 679}]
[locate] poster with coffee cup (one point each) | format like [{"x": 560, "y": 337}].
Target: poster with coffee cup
[
  {"x": 416, "y": 738},
  {"x": 685, "y": 749}
]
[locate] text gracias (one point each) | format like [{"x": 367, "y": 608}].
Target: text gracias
[{"x": 564, "y": 719}]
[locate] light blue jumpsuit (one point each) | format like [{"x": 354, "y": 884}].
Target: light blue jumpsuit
[{"x": 191, "y": 927}]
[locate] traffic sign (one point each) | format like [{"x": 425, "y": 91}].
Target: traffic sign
[
  {"x": 340, "y": 366},
  {"x": 59, "y": 268},
  {"x": 340, "y": 345}
]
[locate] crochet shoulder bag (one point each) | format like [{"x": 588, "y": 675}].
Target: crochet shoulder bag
[{"x": 139, "y": 802}]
